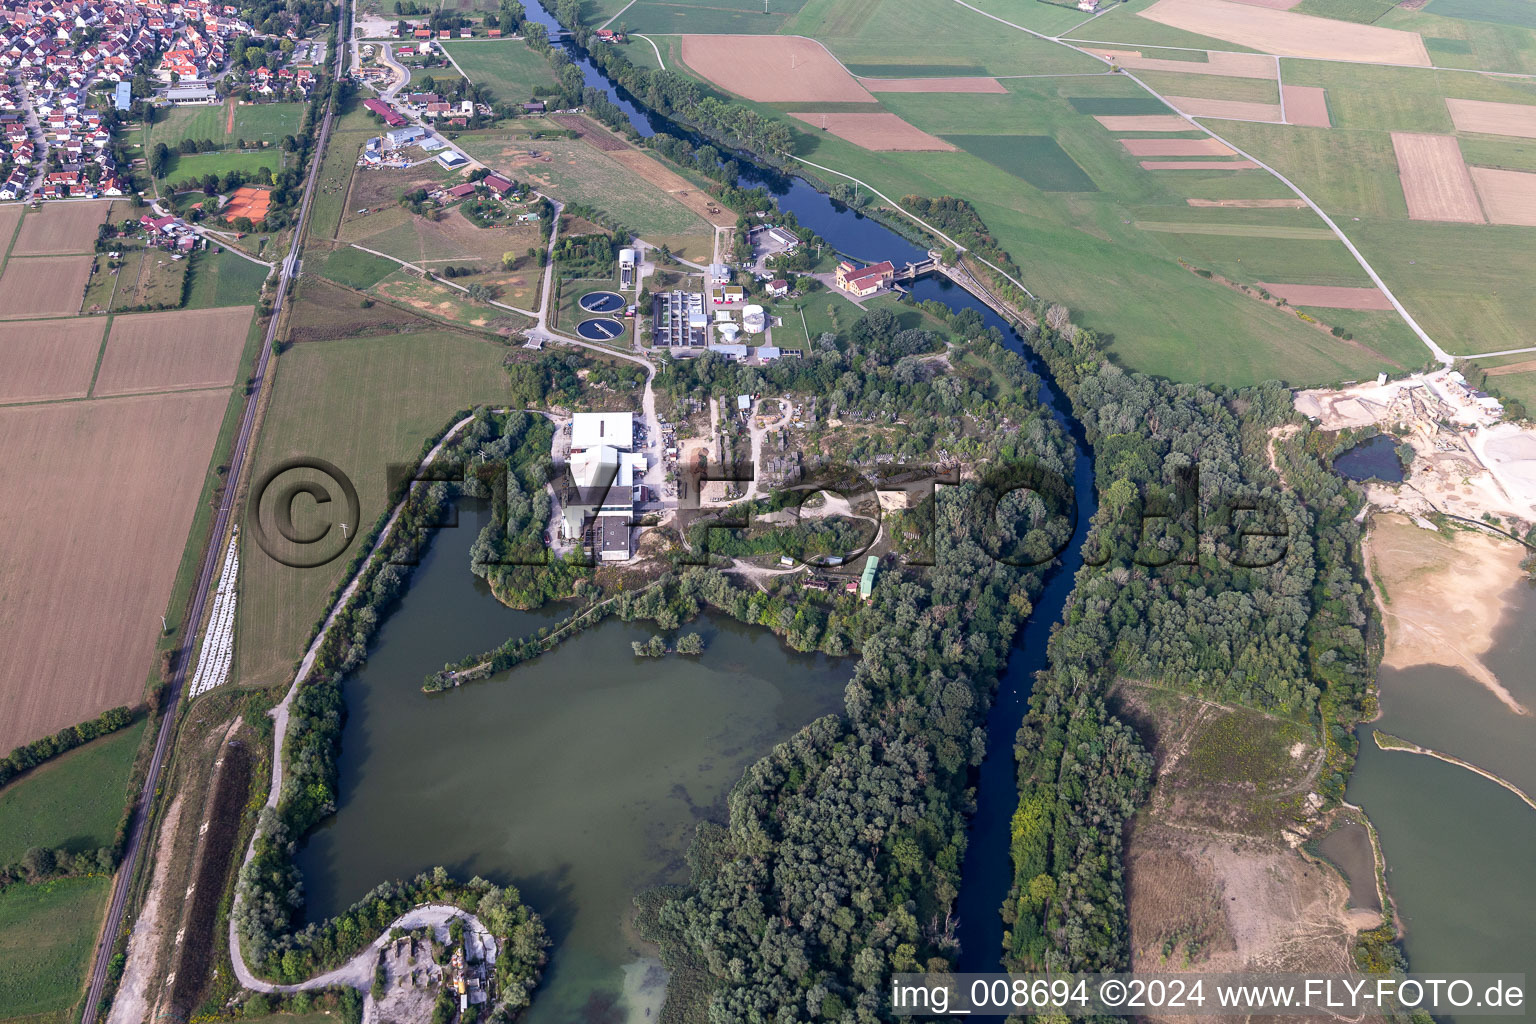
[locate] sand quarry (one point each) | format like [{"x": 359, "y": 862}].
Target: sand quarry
[
  {"x": 1290, "y": 34},
  {"x": 1442, "y": 595}
]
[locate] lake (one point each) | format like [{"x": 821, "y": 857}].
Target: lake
[
  {"x": 1375, "y": 458},
  {"x": 579, "y": 777}
]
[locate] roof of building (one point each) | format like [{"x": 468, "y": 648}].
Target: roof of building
[
  {"x": 615, "y": 534},
  {"x": 873, "y": 270},
  {"x": 602, "y": 428}
]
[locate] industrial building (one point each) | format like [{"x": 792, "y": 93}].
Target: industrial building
[
  {"x": 605, "y": 486},
  {"x": 680, "y": 321}
]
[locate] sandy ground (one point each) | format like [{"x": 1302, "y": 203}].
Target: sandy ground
[
  {"x": 1442, "y": 595},
  {"x": 60, "y": 228},
  {"x": 1145, "y": 123},
  {"x": 1241, "y": 110},
  {"x": 1176, "y": 147},
  {"x": 983, "y": 85},
  {"x": 1220, "y": 63},
  {"x": 880, "y": 132},
  {"x": 1306, "y": 105},
  {"x": 98, "y": 573},
  {"x": 1289, "y": 34},
  {"x": 1251, "y": 204},
  {"x": 131, "y": 1004},
  {"x": 1198, "y": 165},
  {"x": 188, "y": 348},
  {"x": 1493, "y": 118},
  {"x": 44, "y": 286},
  {"x": 773, "y": 69},
  {"x": 1435, "y": 179},
  {"x": 36, "y": 365},
  {"x": 1508, "y": 197},
  {"x": 1328, "y": 296}
]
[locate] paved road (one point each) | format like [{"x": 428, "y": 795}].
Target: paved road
[{"x": 212, "y": 563}]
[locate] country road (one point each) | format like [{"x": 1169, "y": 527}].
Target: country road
[{"x": 212, "y": 562}]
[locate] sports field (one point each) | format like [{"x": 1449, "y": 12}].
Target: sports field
[
  {"x": 84, "y": 640},
  {"x": 200, "y": 165},
  {"x": 74, "y": 801},
  {"x": 226, "y": 123},
  {"x": 47, "y": 932},
  {"x": 509, "y": 68},
  {"x": 325, "y": 403}
]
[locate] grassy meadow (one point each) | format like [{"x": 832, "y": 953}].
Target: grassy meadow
[
  {"x": 508, "y": 67},
  {"x": 74, "y": 801},
  {"x": 47, "y": 933}
]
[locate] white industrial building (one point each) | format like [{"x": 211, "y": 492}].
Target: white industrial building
[{"x": 607, "y": 476}]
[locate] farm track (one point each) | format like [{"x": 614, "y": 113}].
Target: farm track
[{"x": 212, "y": 561}]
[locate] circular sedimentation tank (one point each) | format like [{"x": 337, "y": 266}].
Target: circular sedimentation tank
[
  {"x": 600, "y": 328},
  {"x": 602, "y": 302}
]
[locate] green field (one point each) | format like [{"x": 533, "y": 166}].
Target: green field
[
  {"x": 74, "y": 801},
  {"x": 1237, "y": 230},
  {"x": 1038, "y": 159},
  {"x": 741, "y": 17},
  {"x": 1500, "y": 12},
  {"x": 47, "y": 932},
  {"x": 1461, "y": 43},
  {"x": 1364, "y": 12},
  {"x": 224, "y": 279},
  {"x": 335, "y": 175},
  {"x": 253, "y": 121},
  {"x": 355, "y": 268},
  {"x": 199, "y": 165},
  {"x": 1118, "y": 106},
  {"x": 326, "y": 402},
  {"x": 509, "y": 68},
  {"x": 1212, "y": 87},
  {"x": 1040, "y": 15}
]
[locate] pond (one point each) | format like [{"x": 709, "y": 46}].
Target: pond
[
  {"x": 1375, "y": 458},
  {"x": 580, "y": 777}
]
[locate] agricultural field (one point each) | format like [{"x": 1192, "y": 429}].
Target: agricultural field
[
  {"x": 43, "y": 285},
  {"x": 335, "y": 181},
  {"x": 57, "y": 229},
  {"x": 223, "y": 279},
  {"x": 575, "y": 171},
  {"x": 451, "y": 239},
  {"x": 439, "y": 301},
  {"x": 74, "y": 801},
  {"x": 52, "y": 360},
  {"x": 86, "y": 639},
  {"x": 354, "y": 268},
  {"x": 709, "y": 16},
  {"x": 47, "y": 932},
  {"x": 325, "y": 403},
  {"x": 173, "y": 351}
]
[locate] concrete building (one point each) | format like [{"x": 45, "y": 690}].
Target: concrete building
[
  {"x": 867, "y": 281},
  {"x": 188, "y": 93},
  {"x": 626, "y": 268},
  {"x": 606, "y": 477},
  {"x": 680, "y": 321}
]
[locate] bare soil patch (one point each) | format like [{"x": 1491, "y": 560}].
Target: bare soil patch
[
  {"x": 45, "y": 361},
  {"x": 60, "y": 228},
  {"x": 1306, "y": 105},
  {"x": 97, "y": 577},
  {"x": 45, "y": 286},
  {"x": 1290, "y": 34},
  {"x": 1239, "y": 110},
  {"x": 1442, "y": 595},
  {"x": 880, "y": 132},
  {"x": 1220, "y": 63},
  {"x": 1509, "y": 197},
  {"x": 1251, "y": 204},
  {"x": 589, "y": 132},
  {"x": 1520, "y": 367},
  {"x": 1518, "y": 119},
  {"x": 1328, "y": 296},
  {"x": 1435, "y": 179},
  {"x": 773, "y": 69},
  {"x": 192, "y": 348},
  {"x": 1145, "y": 123},
  {"x": 978, "y": 85},
  {"x": 1176, "y": 147},
  {"x": 648, "y": 168},
  {"x": 1198, "y": 165},
  {"x": 1274, "y": 5},
  {"x": 131, "y": 1004}
]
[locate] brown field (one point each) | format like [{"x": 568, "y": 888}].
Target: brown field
[
  {"x": 1289, "y": 34},
  {"x": 45, "y": 286},
  {"x": 39, "y": 362},
  {"x": 10, "y": 216},
  {"x": 1434, "y": 178},
  {"x": 98, "y": 574},
  {"x": 1328, "y": 296},
  {"x": 60, "y": 228},
  {"x": 987, "y": 85},
  {"x": 1198, "y": 165},
  {"x": 1274, "y": 5},
  {"x": 1518, "y": 119},
  {"x": 1176, "y": 147},
  {"x": 1225, "y": 65},
  {"x": 1251, "y": 204},
  {"x": 1520, "y": 367},
  {"x": 191, "y": 348},
  {"x": 880, "y": 132},
  {"x": 1306, "y": 105},
  {"x": 589, "y": 132},
  {"x": 773, "y": 69},
  {"x": 1242, "y": 110},
  {"x": 1509, "y": 197},
  {"x": 1144, "y": 123},
  {"x": 647, "y": 167}
]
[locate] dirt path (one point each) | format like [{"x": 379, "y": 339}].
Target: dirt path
[{"x": 131, "y": 1004}]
